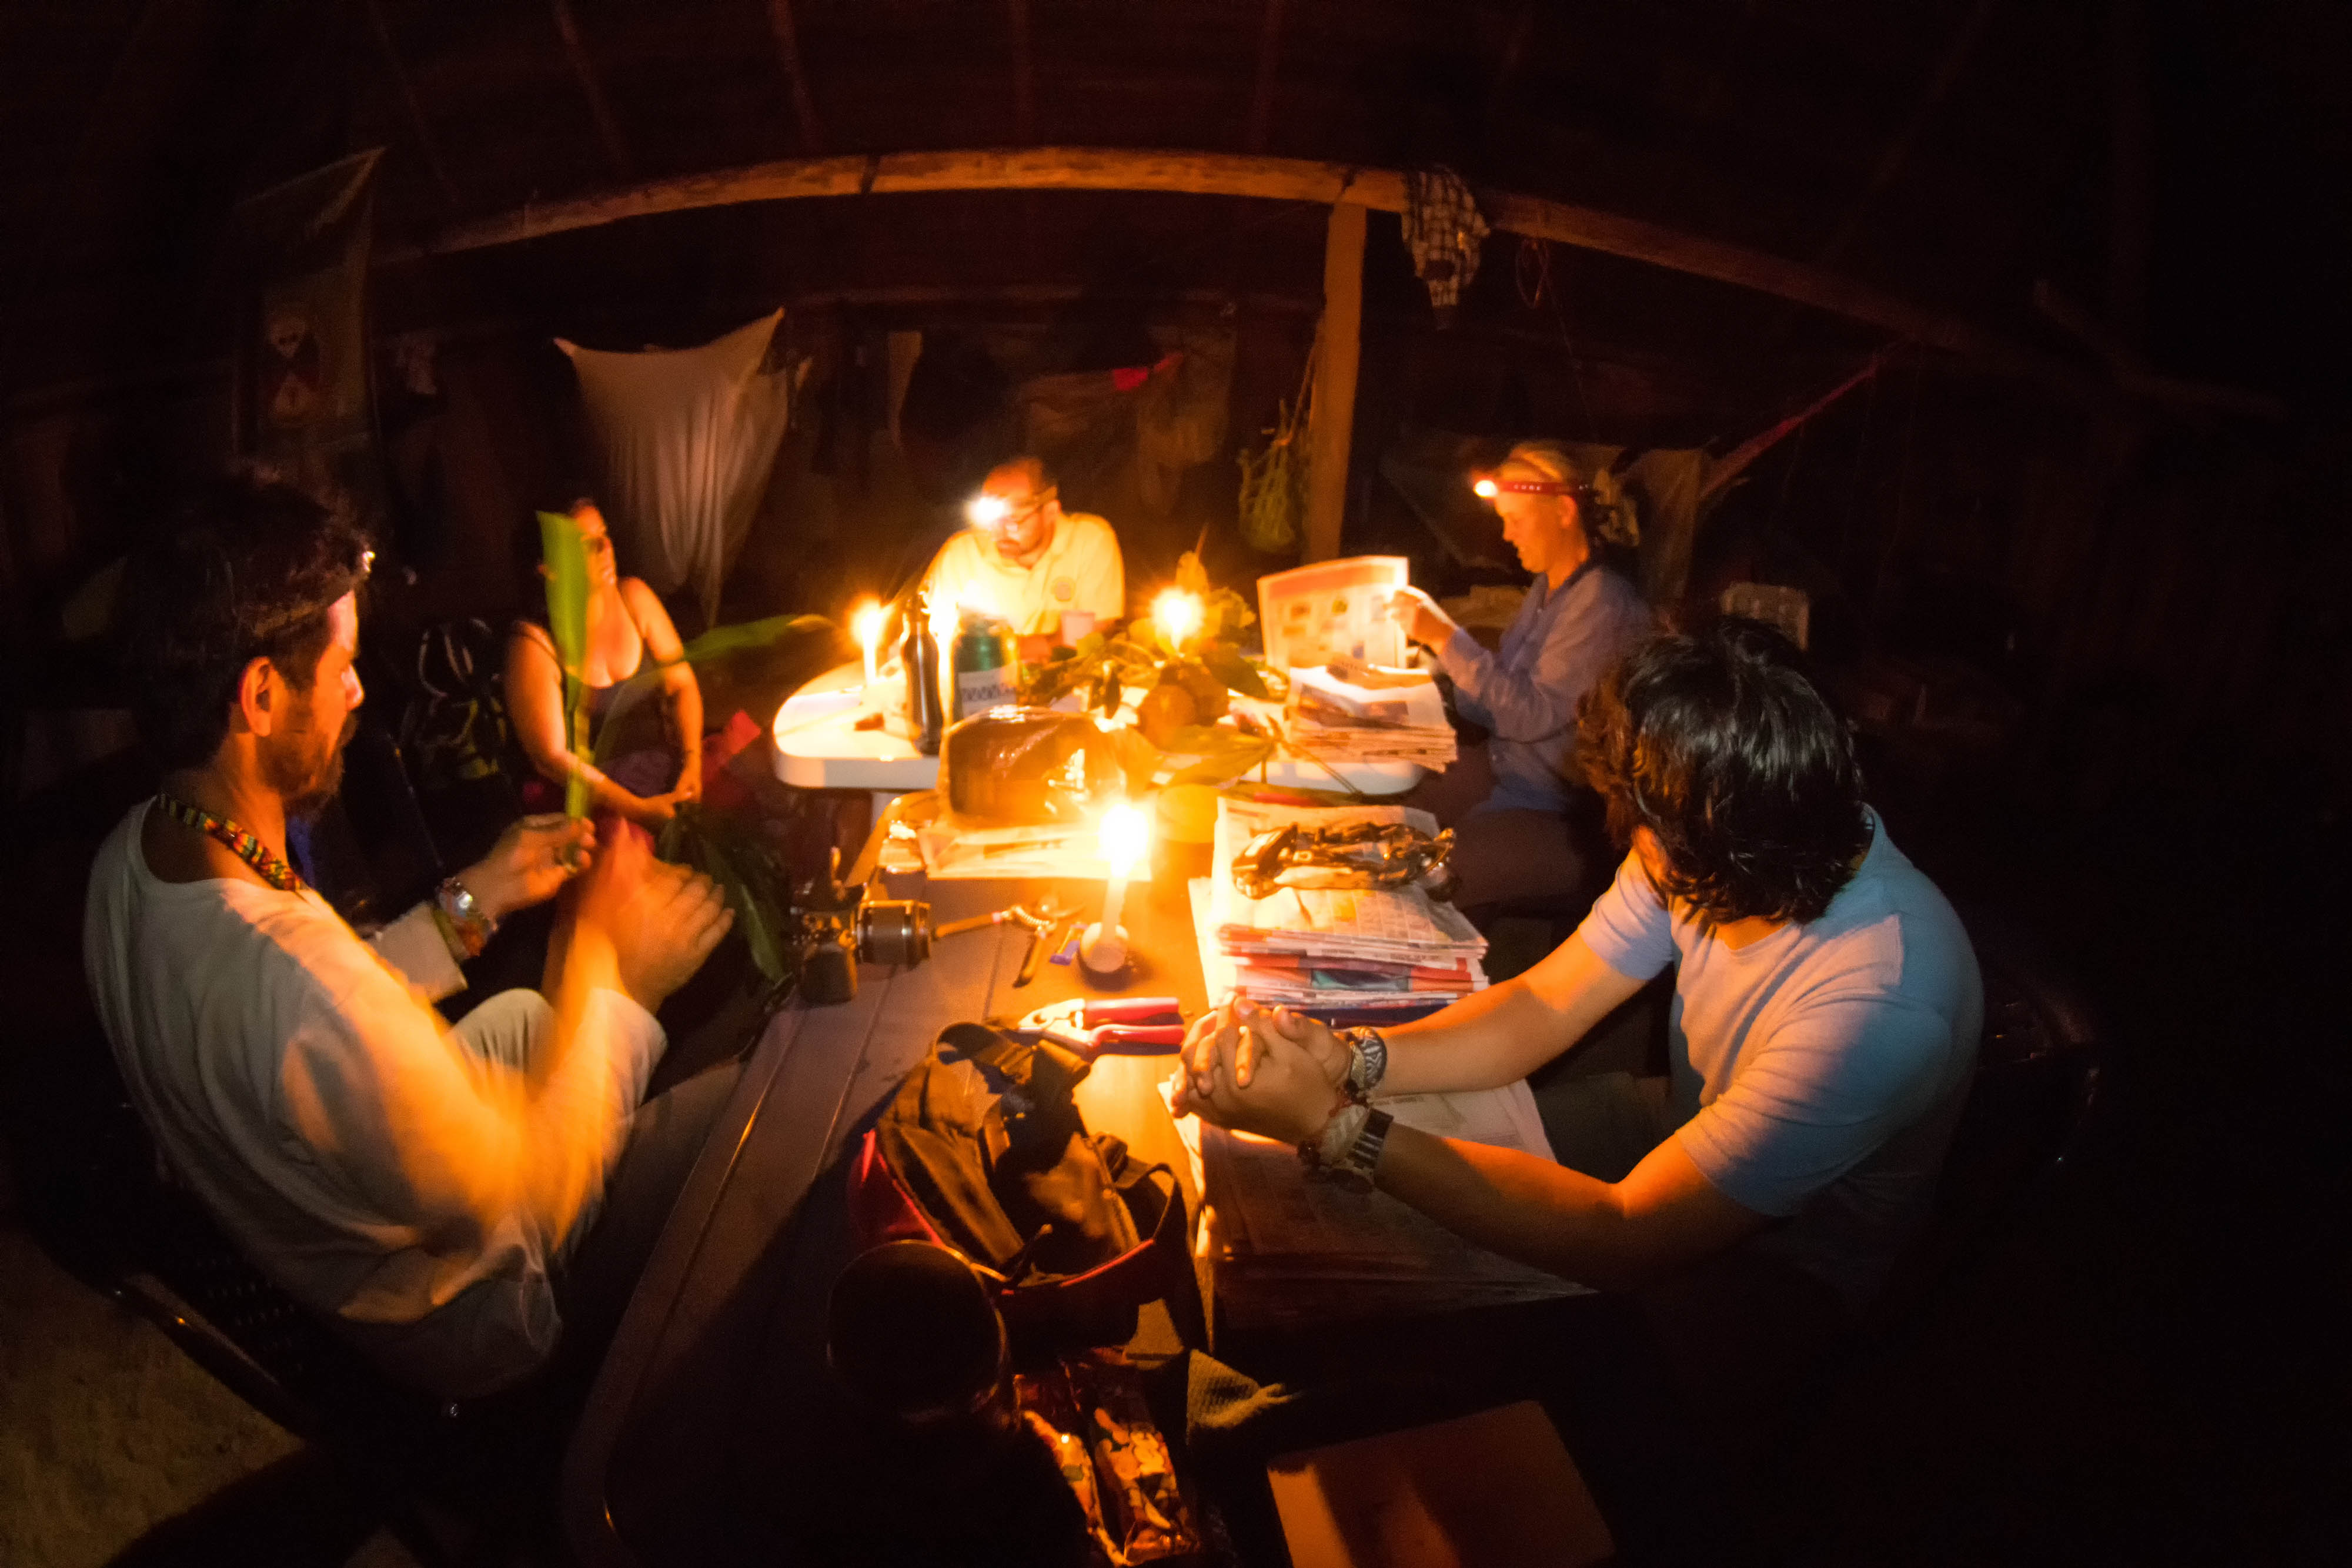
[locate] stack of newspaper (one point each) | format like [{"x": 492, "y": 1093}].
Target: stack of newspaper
[
  {"x": 1286, "y": 1249},
  {"x": 1347, "y": 711},
  {"x": 1341, "y": 954}
]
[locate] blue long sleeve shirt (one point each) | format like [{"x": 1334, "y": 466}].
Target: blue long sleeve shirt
[{"x": 1525, "y": 692}]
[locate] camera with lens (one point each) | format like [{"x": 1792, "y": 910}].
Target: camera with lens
[{"x": 833, "y": 927}]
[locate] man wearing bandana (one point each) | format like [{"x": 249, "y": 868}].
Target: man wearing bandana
[{"x": 454, "y": 1200}]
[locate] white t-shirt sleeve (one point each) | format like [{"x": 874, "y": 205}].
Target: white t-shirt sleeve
[
  {"x": 376, "y": 1092},
  {"x": 413, "y": 945},
  {"x": 1817, "y": 1096},
  {"x": 1628, "y": 927}
]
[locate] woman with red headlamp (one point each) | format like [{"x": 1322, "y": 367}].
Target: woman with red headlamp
[{"x": 1509, "y": 801}]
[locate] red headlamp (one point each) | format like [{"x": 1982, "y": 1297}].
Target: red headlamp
[{"x": 1488, "y": 487}]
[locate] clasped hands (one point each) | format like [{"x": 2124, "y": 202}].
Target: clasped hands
[{"x": 1266, "y": 1070}]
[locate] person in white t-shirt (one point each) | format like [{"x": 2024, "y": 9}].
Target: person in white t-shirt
[
  {"x": 435, "y": 1192},
  {"x": 1824, "y": 1027},
  {"x": 1028, "y": 561}
]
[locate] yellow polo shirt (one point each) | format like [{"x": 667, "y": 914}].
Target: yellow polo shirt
[{"x": 1081, "y": 570}]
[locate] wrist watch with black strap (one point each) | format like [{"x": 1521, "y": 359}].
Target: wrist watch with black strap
[{"x": 1347, "y": 1150}]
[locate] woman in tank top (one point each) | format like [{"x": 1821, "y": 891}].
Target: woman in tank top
[{"x": 656, "y": 752}]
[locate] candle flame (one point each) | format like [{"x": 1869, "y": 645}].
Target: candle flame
[
  {"x": 1177, "y": 613},
  {"x": 1126, "y": 835},
  {"x": 869, "y": 624}
]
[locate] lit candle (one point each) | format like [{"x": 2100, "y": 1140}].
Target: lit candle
[
  {"x": 1126, "y": 835},
  {"x": 1177, "y": 613},
  {"x": 869, "y": 622}
]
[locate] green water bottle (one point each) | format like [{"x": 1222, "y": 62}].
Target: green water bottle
[{"x": 986, "y": 672}]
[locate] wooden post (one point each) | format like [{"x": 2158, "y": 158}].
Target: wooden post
[{"x": 1330, "y": 424}]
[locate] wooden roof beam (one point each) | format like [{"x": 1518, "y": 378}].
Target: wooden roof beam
[
  {"x": 788, "y": 55},
  {"x": 575, "y": 51},
  {"x": 1267, "y": 179},
  {"x": 1211, "y": 174}
]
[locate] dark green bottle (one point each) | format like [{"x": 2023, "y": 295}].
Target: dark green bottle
[{"x": 985, "y": 661}]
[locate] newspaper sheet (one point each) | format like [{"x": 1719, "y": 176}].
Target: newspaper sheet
[
  {"x": 1227, "y": 969},
  {"x": 1288, "y": 1248},
  {"x": 1334, "y": 609},
  {"x": 1390, "y": 713},
  {"x": 953, "y": 850}
]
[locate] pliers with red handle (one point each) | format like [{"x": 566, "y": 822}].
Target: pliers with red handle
[{"x": 1125, "y": 1025}]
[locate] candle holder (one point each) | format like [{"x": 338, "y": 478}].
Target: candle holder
[
  {"x": 1126, "y": 838},
  {"x": 1104, "y": 952}
]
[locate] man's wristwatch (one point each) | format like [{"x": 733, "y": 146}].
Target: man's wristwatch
[
  {"x": 1349, "y": 1151},
  {"x": 464, "y": 917},
  {"x": 1368, "y": 1061}
]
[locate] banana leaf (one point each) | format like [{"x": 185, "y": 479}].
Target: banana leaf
[
  {"x": 719, "y": 642},
  {"x": 567, "y": 622},
  {"x": 1225, "y": 662}
]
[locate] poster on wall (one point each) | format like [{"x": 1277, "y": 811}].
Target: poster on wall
[{"x": 303, "y": 401}]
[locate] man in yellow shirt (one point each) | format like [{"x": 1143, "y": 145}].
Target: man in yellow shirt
[{"x": 1047, "y": 571}]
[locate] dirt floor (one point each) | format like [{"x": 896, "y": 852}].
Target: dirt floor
[
  {"x": 105, "y": 1427},
  {"x": 114, "y": 1446}
]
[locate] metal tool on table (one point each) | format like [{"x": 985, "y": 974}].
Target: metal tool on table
[
  {"x": 1045, "y": 923},
  {"x": 1125, "y": 1025},
  {"x": 975, "y": 923}
]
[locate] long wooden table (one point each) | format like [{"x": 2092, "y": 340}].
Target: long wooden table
[{"x": 718, "y": 1362}]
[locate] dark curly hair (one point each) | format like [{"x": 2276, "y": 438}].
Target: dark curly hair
[
  {"x": 247, "y": 570},
  {"x": 1719, "y": 745}
]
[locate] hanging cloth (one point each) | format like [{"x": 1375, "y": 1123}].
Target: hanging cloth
[
  {"x": 686, "y": 439},
  {"x": 1444, "y": 230}
]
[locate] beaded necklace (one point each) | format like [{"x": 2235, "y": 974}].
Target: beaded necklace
[{"x": 244, "y": 845}]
